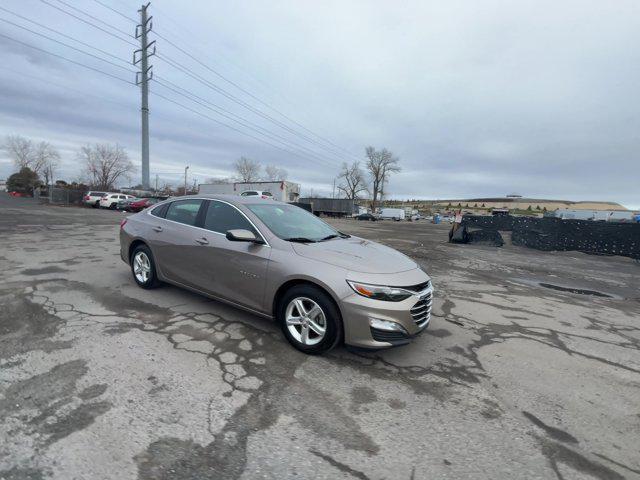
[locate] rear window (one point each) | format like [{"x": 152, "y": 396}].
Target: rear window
[
  {"x": 96, "y": 194},
  {"x": 267, "y": 194},
  {"x": 184, "y": 211},
  {"x": 248, "y": 194},
  {"x": 160, "y": 210}
]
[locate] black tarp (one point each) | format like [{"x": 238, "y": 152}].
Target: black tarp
[
  {"x": 607, "y": 238},
  {"x": 464, "y": 234}
]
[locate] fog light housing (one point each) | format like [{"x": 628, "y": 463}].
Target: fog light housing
[{"x": 386, "y": 325}]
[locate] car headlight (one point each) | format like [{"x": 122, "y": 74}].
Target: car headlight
[{"x": 379, "y": 292}]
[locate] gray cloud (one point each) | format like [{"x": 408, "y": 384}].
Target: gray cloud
[{"x": 477, "y": 99}]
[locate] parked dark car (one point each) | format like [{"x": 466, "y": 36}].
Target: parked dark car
[{"x": 367, "y": 216}]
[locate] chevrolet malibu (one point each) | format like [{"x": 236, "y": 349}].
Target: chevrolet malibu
[{"x": 279, "y": 261}]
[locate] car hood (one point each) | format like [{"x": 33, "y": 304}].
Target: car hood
[{"x": 357, "y": 255}]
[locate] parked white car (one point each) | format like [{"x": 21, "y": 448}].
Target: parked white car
[
  {"x": 92, "y": 198},
  {"x": 257, "y": 193},
  {"x": 110, "y": 200}
]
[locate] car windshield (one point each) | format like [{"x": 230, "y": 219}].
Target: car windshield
[{"x": 291, "y": 222}]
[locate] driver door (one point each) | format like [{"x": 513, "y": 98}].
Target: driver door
[{"x": 235, "y": 271}]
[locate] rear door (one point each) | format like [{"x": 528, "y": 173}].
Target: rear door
[
  {"x": 235, "y": 271},
  {"x": 174, "y": 238}
]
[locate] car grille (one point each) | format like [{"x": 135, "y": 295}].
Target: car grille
[
  {"x": 421, "y": 311},
  {"x": 387, "y": 336},
  {"x": 419, "y": 287}
]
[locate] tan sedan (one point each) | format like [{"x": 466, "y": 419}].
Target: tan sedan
[{"x": 279, "y": 261}]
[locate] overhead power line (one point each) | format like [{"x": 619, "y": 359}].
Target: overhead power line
[
  {"x": 89, "y": 23},
  {"x": 239, "y": 120},
  {"x": 331, "y": 147},
  {"x": 204, "y": 115},
  {"x": 63, "y": 35},
  {"x": 127, "y": 34},
  {"x": 66, "y": 45},
  {"x": 48, "y": 81},
  {"x": 229, "y": 114},
  {"x": 237, "y": 100},
  {"x": 65, "y": 59},
  {"x": 115, "y": 11},
  {"x": 236, "y": 85}
]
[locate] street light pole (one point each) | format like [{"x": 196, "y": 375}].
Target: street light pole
[{"x": 185, "y": 179}]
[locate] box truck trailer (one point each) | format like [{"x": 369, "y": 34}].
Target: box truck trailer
[{"x": 392, "y": 213}]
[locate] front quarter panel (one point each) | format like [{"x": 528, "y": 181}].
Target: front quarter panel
[{"x": 286, "y": 266}]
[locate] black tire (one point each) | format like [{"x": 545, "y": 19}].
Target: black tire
[
  {"x": 152, "y": 281},
  {"x": 334, "y": 331}
]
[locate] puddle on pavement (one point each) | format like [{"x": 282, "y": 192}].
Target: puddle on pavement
[
  {"x": 579, "y": 291},
  {"x": 565, "y": 288}
]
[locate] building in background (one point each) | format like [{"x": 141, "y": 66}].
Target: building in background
[
  {"x": 283, "y": 191},
  {"x": 3, "y": 185}
]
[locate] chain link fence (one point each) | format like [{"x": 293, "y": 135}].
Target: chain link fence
[{"x": 60, "y": 196}]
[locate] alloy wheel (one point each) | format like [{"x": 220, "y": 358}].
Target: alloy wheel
[
  {"x": 305, "y": 321},
  {"x": 141, "y": 267}
]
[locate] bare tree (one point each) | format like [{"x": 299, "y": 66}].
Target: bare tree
[
  {"x": 105, "y": 164},
  {"x": 248, "y": 170},
  {"x": 273, "y": 173},
  {"x": 20, "y": 150},
  {"x": 41, "y": 158},
  {"x": 380, "y": 165},
  {"x": 352, "y": 181},
  {"x": 45, "y": 161}
]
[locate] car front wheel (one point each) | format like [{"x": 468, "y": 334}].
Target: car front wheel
[
  {"x": 143, "y": 267},
  {"x": 309, "y": 319}
]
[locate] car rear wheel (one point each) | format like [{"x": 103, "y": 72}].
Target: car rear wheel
[
  {"x": 143, "y": 267},
  {"x": 309, "y": 319}
]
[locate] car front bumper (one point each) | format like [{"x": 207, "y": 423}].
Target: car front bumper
[{"x": 408, "y": 318}]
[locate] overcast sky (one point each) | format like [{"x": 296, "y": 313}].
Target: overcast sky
[{"x": 488, "y": 98}]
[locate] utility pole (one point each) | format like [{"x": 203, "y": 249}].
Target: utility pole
[
  {"x": 142, "y": 78},
  {"x": 185, "y": 179},
  {"x": 156, "y": 183}
]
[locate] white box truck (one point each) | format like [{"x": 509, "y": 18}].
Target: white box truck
[{"x": 392, "y": 214}]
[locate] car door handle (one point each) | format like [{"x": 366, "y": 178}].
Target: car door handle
[
  {"x": 157, "y": 229},
  {"x": 202, "y": 241}
]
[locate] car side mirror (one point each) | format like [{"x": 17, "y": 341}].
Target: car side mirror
[{"x": 241, "y": 235}]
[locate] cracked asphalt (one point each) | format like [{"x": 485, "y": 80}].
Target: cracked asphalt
[{"x": 525, "y": 372}]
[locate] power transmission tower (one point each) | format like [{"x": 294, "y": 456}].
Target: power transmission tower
[{"x": 141, "y": 56}]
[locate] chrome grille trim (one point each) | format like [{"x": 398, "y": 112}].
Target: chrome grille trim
[{"x": 421, "y": 311}]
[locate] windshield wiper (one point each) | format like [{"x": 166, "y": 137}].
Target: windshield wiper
[
  {"x": 300, "y": 240},
  {"x": 329, "y": 237},
  {"x": 335, "y": 235}
]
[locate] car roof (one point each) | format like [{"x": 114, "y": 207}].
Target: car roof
[{"x": 235, "y": 199}]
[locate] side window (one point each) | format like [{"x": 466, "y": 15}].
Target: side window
[
  {"x": 160, "y": 211},
  {"x": 249, "y": 194},
  {"x": 222, "y": 217},
  {"x": 184, "y": 211}
]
